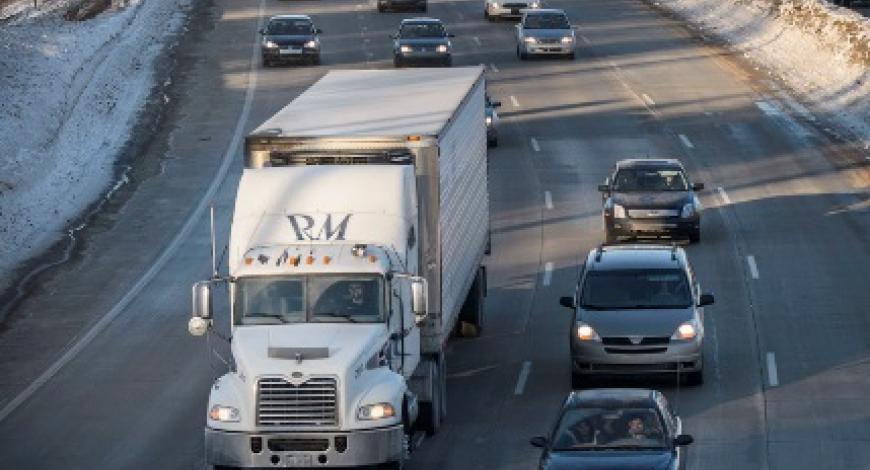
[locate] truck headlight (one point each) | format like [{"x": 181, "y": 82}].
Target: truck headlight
[
  {"x": 224, "y": 414},
  {"x": 586, "y": 333},
  {"x": 405, "y": 49},
  {"x": 442, "y": 48},
  {"x": 311, "y": 44},
  {"x": 376, "y": 411},
  {"x": 688, "y": 211},
  {"x": 530, "y": 40},
  {"x": 686, "y": 331},
  {"x": 567, "y": 40},
  {"x": 270, "y": 44},
  {"x": 618, "y": 211}
]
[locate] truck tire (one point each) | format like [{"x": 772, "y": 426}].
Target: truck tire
[
  {"x": 694, "y": 379},
  {"x": 472, "y": 313},
  {"x": 431, "y": 412},
  {"x": 695, "y": 236}
]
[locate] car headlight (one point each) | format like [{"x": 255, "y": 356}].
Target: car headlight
[
  {"x": 530, "y": 40},
  {"x": 688, "y": 211},
  {"x": 618, "y": 211},
  {"x": 585, "y": 332},
  {"x": 311, "y": 44},
  {"x": 405, "y": 49},
  {"x": 376, "y": 411},
  {"x": 535, "y": 5},
  {"x": 270, "y": 44},
  {"x": 442, "y": 48},
  {"x": 225, "y": 414},
  {"x": 686, "y": 331},
  {"x": 489, "y": 120},
  {"x": 567, "y": 40},
  {"x": 494, "y": 4}
]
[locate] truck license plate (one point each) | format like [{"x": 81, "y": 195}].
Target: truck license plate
[{"x": 299, "y": 461}]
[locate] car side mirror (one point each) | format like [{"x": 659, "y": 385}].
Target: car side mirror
[
  {"x": 451, "y": 35},
  {"x": 538, "y": 441},
  {"x": 394, "y": 36},
  {"x": 603, "y": 188},
  {"x": 697, "y": 186},
  {"x": 318, "y": 31},
  {"x": 683, "y": 440},
  {"x": 568, "y": 302},
  {"x": 706, "y": 299},
  {"x": 496, "y": 104},
  {"x": 262, "y": 31}
]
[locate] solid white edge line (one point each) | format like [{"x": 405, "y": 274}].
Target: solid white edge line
[
  {"x": 686, "y": 141},
  {"x": 514, "y": 101},
  {"x": 585, "y": 39},
  {"x": 476, "y": 40},
  {"x": 535, "y": 145},
  {"x": 723, "y": 195},
  {"x": 647, "y": 99},
  {"x": 548, "y": 199},
  {"x": 548, "y": 273},
  {"x": 494, "y": 68},
  {"x": 229, "y": 156},
  {"x": 772, "y": 373},
  {"x": 753, "y": 268},
  {"x": 524, "y": 376}
]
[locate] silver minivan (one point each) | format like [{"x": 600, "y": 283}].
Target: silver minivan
[
  {"x": 637, "y": 310},
  {"x": 545, "y": 32}
]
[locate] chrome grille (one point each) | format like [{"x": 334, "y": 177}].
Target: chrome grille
[{"x": 309, "y": 404}]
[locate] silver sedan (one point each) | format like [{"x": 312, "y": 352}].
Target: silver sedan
[{"x": 545, "y": 32}]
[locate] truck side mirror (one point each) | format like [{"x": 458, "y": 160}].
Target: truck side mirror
[
  {"x": 419, "y": 298},
  {"x": 706, "y": 299},
  {"x": 202, "y": 300},
  {"x": 568, "y": 302}
]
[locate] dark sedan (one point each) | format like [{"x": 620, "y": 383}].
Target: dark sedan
[
  {"x": 651, "y": 198},
  {"x": 392, "y": 5},
  {"x": 422, "y": 40},
  {"x": 290, "y": 38},
  {"x": 615, "y": 429}
]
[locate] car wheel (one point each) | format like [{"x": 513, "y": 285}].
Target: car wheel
[
  {"x": 695, "y": 236},
  {"x": 381, "y": 9},
  {"x": 576, "y": 381},
  {"x": 448, "y": 62},
  {"x": 397, "y": 62},
  {"x": 315, "y": 60},
  {"x": 492, "y": 143},
  {"x": 570, "y": 56},
  {"x": 424, "y": 8}
]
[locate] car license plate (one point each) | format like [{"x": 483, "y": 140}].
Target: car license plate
[
  {"x": 299, "y": 460},
  {"x": 291, "y": 50},
  {"x": 515, "y": 11}
]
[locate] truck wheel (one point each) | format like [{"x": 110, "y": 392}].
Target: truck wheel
[
  {"x": 430, "y": 412},
  {"x": 472, "y": 313},
  {"x": 695, "y": 236},
  {"x": 576, "y": 381},
  {"x": 694, "y": 379}
]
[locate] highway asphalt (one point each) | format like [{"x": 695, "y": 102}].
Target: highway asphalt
[{"x": 97, "y": 369}]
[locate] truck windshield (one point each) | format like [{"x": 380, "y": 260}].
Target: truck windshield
[{"x": 308, "y": 299}]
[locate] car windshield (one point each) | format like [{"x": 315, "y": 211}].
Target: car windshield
[
  {"x": 301, "y": 299},
  {"x": 636, "y": 289},
  {"x": 422, "y": 30},
  {"x": 289, "y": 27},
  {"x": 546, "y": 22},
  {"x": 605, "y": 428},
  {"x": 649, "y": 179}
]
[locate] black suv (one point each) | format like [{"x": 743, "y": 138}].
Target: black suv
[{"x": 651, "y": 198}]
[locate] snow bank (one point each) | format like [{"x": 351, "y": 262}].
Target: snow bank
[
  {"x": 818, "y": 49},
  {"x": 70, "y": 93}
]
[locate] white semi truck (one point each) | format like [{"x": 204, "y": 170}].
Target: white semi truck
[{"x": 359, "y": 231}]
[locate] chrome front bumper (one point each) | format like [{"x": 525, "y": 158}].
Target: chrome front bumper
[{"x": 304, "y": 449}]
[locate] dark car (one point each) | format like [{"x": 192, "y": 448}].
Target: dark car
[
  {"x": 646, "y": 198},
  {"x": 491, "y": 122},
  {"x": 290, "y": 38},
  {"x": 615, "y": 429},
  {"x": 392, "y": 5},
  {"x": 422, "y": 40}
]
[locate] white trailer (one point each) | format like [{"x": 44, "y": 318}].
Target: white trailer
[{"x": 359, "y": 232}]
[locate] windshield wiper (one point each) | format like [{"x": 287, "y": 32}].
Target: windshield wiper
[
  {"x": 336, "y": 315},
  {"x": 276, "y": 316}
]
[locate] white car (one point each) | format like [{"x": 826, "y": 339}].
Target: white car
[
  {"x": 545, "y": 32},
  {"x": 495, "y": 9}
]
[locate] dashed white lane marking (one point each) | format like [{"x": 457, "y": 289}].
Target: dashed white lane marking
[
  {"x": 772, "y": 374},
  {"x": 647, "y": 99},
  {"x": 524, "y": 376},
  {"x": 612, "y": 64},
  {"x": 493, "y": 68},
  {"x": 180, "y": 237},
  {"x": 535, "y": 145},
  {"x": 476, "y": 40},
  {"x": 753, "y": 268},
  {"x": 370, "y": 54},
  {"x": 548, "y": 200},
  {"x": 686, "y": 142},
  {"x": 585, "y": 39},
  {"x": 367, "y": 40},
  {"x": 767, "y": 108},
  {"x": 515, "y": 102},
  {"x": 471, "y": 372},
  {"x": 723, "y": 195},
  {"x": 548, "y": 273},
  {"x": 460, "y": 15}
]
